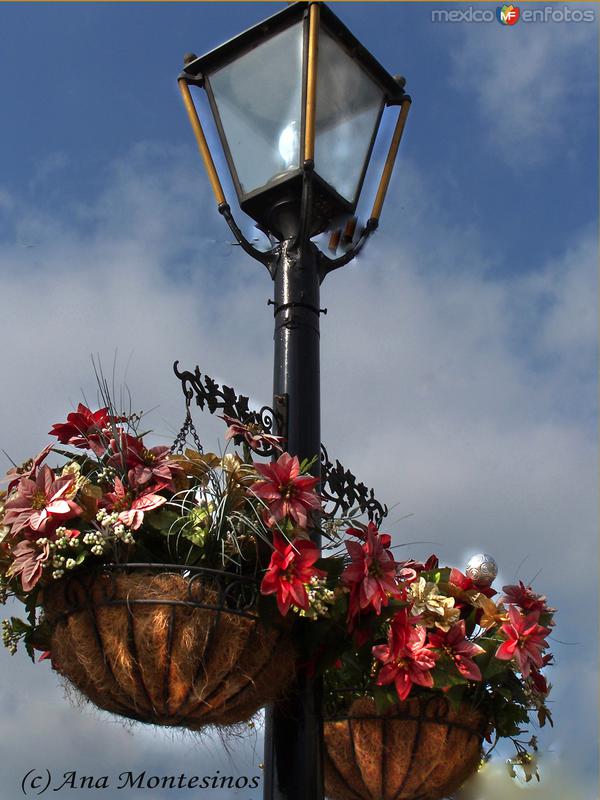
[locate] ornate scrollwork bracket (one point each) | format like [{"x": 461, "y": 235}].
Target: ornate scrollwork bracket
[
  {"x": 340, "y": 488},
  {"x": 343, "y": 491},
  {"x": 214, "y": 398}
]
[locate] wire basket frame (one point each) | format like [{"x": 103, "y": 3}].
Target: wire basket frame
[
  {"x": 167, "y": 644},
  {"x": 421, "y": 749}
]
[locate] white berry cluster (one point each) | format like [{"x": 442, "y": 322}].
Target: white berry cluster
[
  {"x": 96, "y": 541},
  {"x": 110, "y": 523},
  {"x": 319, "y": 599},
  {"x": 106, "y": 475},
  {"x": 68, "y": 552},
  {"x": 9, "y": 637}
]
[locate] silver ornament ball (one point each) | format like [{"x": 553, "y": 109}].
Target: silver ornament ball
[{"x": 482, "y": 569}]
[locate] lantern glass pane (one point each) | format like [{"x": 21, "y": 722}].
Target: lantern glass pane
[
  {"x": 348, "y": 107},
  {"x": 259, "y": 98}
]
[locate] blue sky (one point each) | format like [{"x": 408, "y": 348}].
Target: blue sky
[{"x": 460, "y": 349}]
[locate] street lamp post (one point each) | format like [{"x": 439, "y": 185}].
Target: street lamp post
[{"x": 297, "y": 102}]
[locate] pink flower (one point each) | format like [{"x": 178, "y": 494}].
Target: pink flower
[
  {"x": 420, "y": 566},
  {"x": 26, "y": 470},
  {"x": 29, "y": 561},
  {"x": 524, "y": 597},
  {"x": 466, "y": 584},
  {"x": 286, "y": 492},
  {"x": 457, "y": 647},
  {"x": 409, "y": 570},
  {"x": 45, "y": 656},
  {"x": 406, "y": 658},
  {"x": 254, "y": 435},
  {"x": 132, "y": 509},
  {"x": 86, "y": 429},
  {"x": 372, "y": 574},
  {"x": 40, "y": 504},
  {"x": 143, "y": 463},
  {"x": 524, "y": 640},
  {"x": 291, "y": 566}
]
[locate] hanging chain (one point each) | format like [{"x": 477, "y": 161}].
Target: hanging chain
[{"x": 187, "y": 429}]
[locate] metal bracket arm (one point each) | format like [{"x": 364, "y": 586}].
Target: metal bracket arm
[
  {"x": 265, "y": 257},
  {"x": 329, "y": 264}
]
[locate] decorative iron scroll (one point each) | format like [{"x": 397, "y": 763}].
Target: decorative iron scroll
[
  {"x": 215, "y": 398},
  {"x": 339, "y": 486}
]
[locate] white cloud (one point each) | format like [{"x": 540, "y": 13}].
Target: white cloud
[
  {"x": 556, "y": 783},
  {"x": 567, "y": 288},
  {"x": 42, "y": 730},
  {"x": 531, "y": 81}
]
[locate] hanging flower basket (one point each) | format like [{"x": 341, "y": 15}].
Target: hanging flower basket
[
  {"x": 419, "y": 750},
  {"x": 168, "y": 645},
  {"x": 142, "y": 569}
]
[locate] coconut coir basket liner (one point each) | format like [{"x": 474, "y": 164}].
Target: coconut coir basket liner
[
  {"x": 420, "y": 750},
  {"x": 137, "y": 645}
]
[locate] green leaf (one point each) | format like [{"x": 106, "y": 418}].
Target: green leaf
[
  {"x": 333, "y": 565},
  {"x": 31, "y": 603},
  {"x": 19, "y": 626},
  {"x": 489, "y": 665},
  {"x": 446, "y": 674},
  {"x": 384, "y": 697},
  {"x": 455, "y": 696},
  {"x": 307, "y": 463},
  {"x": 544, "y": 716},
  {"x": 78, "y": 457},
  {"x": 29, "y": 647},
  {"x": 437, "y": 576},
  {"x": 163, "y": 521}
]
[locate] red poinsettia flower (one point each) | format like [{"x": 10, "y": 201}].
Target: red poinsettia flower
[
  {"x": 538, "y": 680},
  {"x": 409, "y": 570},
  {"x": 290, "y": 568},
  {"x": 143, "y": 463},
  {"x": 286, "y": 492},
  {"x": 132, "y": 509},
  {"x": 459, "y": 649},
  {"x": 26, "y": 470},
  {"x": 536, "y": 677},
  {"x": 407, "y": 658},
  {"x": 40, "y": 505},
  {"x": 253, "y": 434},
  {"x": 524, "y": 597},
  {"x": 45, "y": 656},
  {"x": 371, "y": 576},
  {"x": 524, "y": 640},
  {"x": 86, "y": 429},
  {"x": 466, "y": 584},
  {"x": 30, "y": 558},
  {"x": 420, "y": 566}
]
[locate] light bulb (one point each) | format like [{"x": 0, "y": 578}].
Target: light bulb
[{"x": 289, "y": 145}]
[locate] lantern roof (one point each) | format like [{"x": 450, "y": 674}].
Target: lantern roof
[{"x": 254, "y": 36}]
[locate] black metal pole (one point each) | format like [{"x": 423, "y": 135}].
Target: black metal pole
[{"x": 293, "y": 732}]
